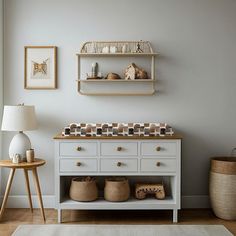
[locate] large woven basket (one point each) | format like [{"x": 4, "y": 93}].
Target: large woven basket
[{"x": 223, "y": 187}]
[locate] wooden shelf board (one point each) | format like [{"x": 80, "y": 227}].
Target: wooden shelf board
[
  {"x": 117, "y": 54},
  {"x": 132, "y": 204},
  {"x": 117, "y": 94},
  {"x": 115, "y": 81},
  {"x": 144, "y": 174}
]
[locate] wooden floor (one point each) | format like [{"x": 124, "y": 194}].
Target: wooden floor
[{"x": 14, "y": 217}]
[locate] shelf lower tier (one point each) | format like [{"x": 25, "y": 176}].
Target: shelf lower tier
[
  {"x": 116, "y": 87},
  {"x": 132, "y": 204}
]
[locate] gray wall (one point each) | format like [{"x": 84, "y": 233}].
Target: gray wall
[{"x": 196, "y": 73}]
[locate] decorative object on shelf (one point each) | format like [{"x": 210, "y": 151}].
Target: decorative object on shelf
[
  {"x": 130, "y": 72},
  {"x": 19, "y": 118},
  {"x": 118, "y": 129},
  {"x": 16, "y": 159},
  {"x": 94, "y": 69},
  {"x": 133, "y": 72},
  {"x": 138, "y": 47},
  {"x": 83, "y": 189},
  {"x": 124, "y": 48},
  {"x": 106, "y": 49},
  {"x": 94, "y": 74},
  {"x": 112, "y": 76},
  {"x": 142, "y": 190},
  {"x": 116, "y": 189},
  {"x": 113, "y": 49},
  {"x": 30, "y": 155},
  {"x": 93, "y": 48},
  {"x": 90, "y": 77},
  {"x": 121, "y": 46},
  {"x": 141, "y": 74},
  {"x": 222, "y": 186},
  {"x": 40, "y": 67}
]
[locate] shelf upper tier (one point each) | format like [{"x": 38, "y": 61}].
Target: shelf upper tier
[
  {"x": 119, "y": 54},
  {"x": 117, "y": 48},
  {"x": 114, "y": 81}
]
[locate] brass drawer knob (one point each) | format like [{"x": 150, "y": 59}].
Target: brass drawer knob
[
  {"x": 158, "y": 163},
  {"x": 158, "y": 148},
  {"x": 79, "y": 148},
  {"x": 119, "y": 149},
  {"x": 119, "y": 164},
  {"x": 78, "y": 163}
]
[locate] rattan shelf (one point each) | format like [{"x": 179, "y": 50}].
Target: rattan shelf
[{"x": 94, "y": 49}]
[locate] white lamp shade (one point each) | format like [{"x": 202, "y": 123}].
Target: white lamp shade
[{"x": 19, "y": 118}]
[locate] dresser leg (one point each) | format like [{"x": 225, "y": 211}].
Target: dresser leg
[
  {"x": 175, "y": 216},
  {"x": 9, "y": 182},
  {"x": 59, "y": 215}
]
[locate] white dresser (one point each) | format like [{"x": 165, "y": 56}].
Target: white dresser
[{"x": 142, "y": 158}]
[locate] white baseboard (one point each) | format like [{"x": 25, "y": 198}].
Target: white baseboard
[{"x": 21, "y": 201}]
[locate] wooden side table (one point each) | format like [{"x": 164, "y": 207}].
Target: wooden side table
[{"x": 26, "y": 166}]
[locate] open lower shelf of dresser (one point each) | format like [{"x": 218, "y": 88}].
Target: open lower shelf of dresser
[{"x": 131, "y": 204}]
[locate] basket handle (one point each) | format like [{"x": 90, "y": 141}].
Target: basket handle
[{"x": 233, "y": 152}]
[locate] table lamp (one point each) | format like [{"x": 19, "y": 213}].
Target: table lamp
[{"x": 19, "y": 118}]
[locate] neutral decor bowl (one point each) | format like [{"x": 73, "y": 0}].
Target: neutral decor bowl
[
  {"x": 117, "y": 189},
  {"x": 223, "y": 187},
  {"x": 83, "y": 189}
]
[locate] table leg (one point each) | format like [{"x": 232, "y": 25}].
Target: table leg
[
  {"x": 8, "y": 187},
  {"x": 37, "y": 185},
  {"x": 28, "y": 189}
]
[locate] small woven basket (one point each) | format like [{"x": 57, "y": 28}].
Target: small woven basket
[
  {"x": 117, "y": 189},
  {"x": 222, "y": 187},
  {"x": 83, "y": 189}
]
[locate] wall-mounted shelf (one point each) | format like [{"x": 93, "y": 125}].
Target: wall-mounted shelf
[
  {"x": 114, "y": 87},
  {"x": 116, "y": 54}
]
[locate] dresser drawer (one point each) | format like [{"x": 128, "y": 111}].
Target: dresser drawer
[
  {"x": 119, "y": 165},
  {"x": 81, "y": 165},
  {"x": 119, "y": 149},
  {"x": 78, "y": 149},
  {"x": 158, "y": 149},
  {"x": 158, "y": 165}
]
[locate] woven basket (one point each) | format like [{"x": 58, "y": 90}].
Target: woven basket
[
  {"x": 83, "y": 189},
  {"x": 117, "y": 189},
  {"x": 223, "y": 187}
]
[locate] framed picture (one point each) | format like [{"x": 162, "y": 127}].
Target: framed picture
[{"x": 40, "y": 67}]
